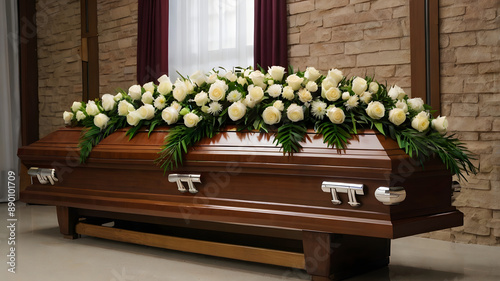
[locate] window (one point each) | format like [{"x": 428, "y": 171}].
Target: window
[{"x": 209, "y": 33}]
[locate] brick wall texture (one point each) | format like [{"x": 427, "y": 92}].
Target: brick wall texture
[
  {"x": 360, "y": 37},
  {"x": 59, "y": 61}
]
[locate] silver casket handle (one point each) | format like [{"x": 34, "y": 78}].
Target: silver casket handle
[
  {"x": 351, "y": 189},
  {"x": 189, "y": 178},
  {"x": 44, "y": 175},
  {"x": 390, "y": 195}
]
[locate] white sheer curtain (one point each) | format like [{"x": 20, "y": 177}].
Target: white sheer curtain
[
  {"x": 204, "y": 34},
  {"x": 10, "y": 117}
]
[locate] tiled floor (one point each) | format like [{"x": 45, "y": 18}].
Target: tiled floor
[{"x": 42, "y": 254}]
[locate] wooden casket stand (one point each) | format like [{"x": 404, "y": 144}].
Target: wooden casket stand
[{"x": 237, "y": 196}]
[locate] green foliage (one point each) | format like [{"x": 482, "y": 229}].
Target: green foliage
[
  {"x": 335, "y": 135},
  {"x": 177, "y": 143},
  {"x": 289, "y": 136}
]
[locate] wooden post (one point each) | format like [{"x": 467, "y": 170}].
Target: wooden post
[
  {"x": 337, "y": 256},
  {"x": 67, "y": 219}
]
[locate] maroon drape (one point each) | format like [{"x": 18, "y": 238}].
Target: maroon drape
[
  {"x": 270, "y": 43},
  {"x": 152, "y": 40}
]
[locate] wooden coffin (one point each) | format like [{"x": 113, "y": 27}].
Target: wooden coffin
[{"x": 249, "y": 195}]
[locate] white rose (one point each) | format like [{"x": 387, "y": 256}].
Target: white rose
[
  {"x": 336, "y": 115},
  {"x": 234, "y": 96},
  {"x": 189, "y": 86},
  {"x": 201, "y": 98},
  {"x": 160, "y": 102},
  {"x": 257, "y": 78},
  {"x": 191, "y": 119},
  {"x": 346, "y": 96},
  {"x": 146, "y": 112},
  {"x": 118, "y": 97},
  {"x": 92, "y": 108},
  {"x": 242, "y": 81},
  {"x": 133, "y": 118},
  {"x": 402, "y": 104},
  {"x": 327, "y": 83},
  {"x": 247, "y": 72},
  {"x": 275, "y": 90},
  {"x": 332, "y": 94},
  {"x": 170, "y": 115},
  {"x": 318, "y": 109},
  {"x": 76, "y": 106},
  {"x": 397, "y": 116},
  {"x": 180, "y": 90},
  {"x": 311, "y": 86},
  {"x": 440, "y": 124},
  {"x": 336, "y": 75},
  {"x": 279, "y": 105},
  {"x": 249, "y": 102},
  {"x": 217, "y": 90},
  {"x": 176, "y": 106},
  {"x": 417, "y": 104},
  {"x": 359, "y": 85},
  {"x": 236, "y": 111},
  {"x": 294, "y": 81},
  {"x": 68, "y": 116},
  {"x": 271, "y": 115},
  {"x": 80, "y": 115},
  {"x": 396, "y": 93},
  {"x": 149, "y": 87},
  {"x": 366, "y": 97},
  {"x": 212, "y": 78},
  {"x": 101, "y": 120},
  {"x": 295, "y": 113},
  {"x": 124, "y": 107},
  {"x": 163, "y": 78},
  {"x": 198, "y": 78},
  {"x": 352, "y": 102},
  {"x": 231, "y": 76},
  {"x": 165, "y": 86},
  {"x": 375, "y": 110},
  {"x": 147, "y": 98},
  {"x": 288, "y": 93},
  {"x": 304, "y": 95},
  {"x": 312, "y": 74},
  {"x": 420, "y": 122},
  {"x": 135, "y": 92},
  {"x": 108, "y": 102},
  {"x": 276, "y": 72},
  {"x": 256, "y": 93},
  {"x": 373, "y": 87}
]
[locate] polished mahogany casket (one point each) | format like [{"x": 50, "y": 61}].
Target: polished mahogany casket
[{"x": 330, "y": 212}]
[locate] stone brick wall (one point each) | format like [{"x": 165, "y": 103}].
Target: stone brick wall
[
  {"x": 359, "y": 37},
  {"x": 470, "y": 96},
  {"x": 59, "y": 62},
  {"x": 117, "y": 28}
]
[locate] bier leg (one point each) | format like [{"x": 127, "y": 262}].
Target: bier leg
[
  {"x": 67, "y": 219},
  {"x": 337, "y": 256}
]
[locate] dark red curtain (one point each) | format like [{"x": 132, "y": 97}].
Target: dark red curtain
[
  {"x": 270, "y": 44},
  {"x": 152, "y": 40}
]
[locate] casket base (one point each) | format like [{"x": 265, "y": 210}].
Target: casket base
[{"x": 325, "y": 256}]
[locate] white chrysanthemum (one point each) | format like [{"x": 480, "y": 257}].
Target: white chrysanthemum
[
  {"x": 318, "y": 109},
  {"x": 234, "y": 96},
  {"x": 352, "y": 102},
  {"x": 214, "y": 108},
  {"x": 288, "y": 93},
  {"x": 160, "y": 102},
  {"x": 304, "y": 95}
]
